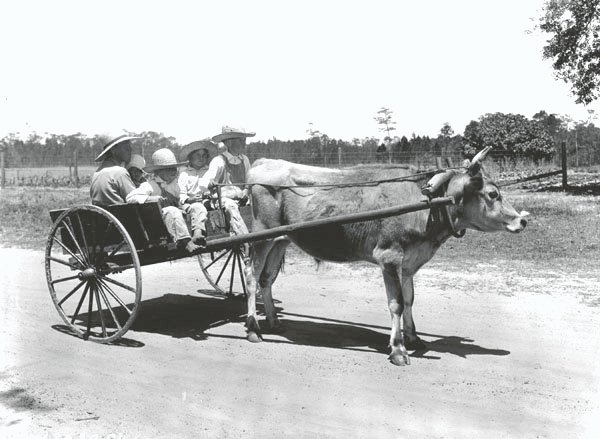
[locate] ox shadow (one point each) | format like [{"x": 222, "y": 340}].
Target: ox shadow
[{"x": 341, "y": 334}]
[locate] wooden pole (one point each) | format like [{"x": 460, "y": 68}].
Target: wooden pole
[
  {"x": 564, "y": 164},
  {"x": 2, "y": 171},
  {"x": 340, "y": 156},
  {"x": 221, "y": 243},
  {"x": 438, "y": 163}
]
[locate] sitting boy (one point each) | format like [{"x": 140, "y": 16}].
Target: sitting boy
[
  {"x": 194, "y": 187},
  {"x": 162, "y": 187},
  {"x": 135, "y": 167}
]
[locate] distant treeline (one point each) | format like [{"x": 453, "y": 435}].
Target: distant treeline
[{"x": 510, "y": 135}]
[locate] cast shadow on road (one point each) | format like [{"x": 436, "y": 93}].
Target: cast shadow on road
[
  {"x": 186, "y": 316},
  {"x": 123, "y": 341}
]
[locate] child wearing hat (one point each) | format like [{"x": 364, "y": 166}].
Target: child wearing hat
[
  {"x": 135, "y": 167},
  {"x": 162, "y": 186},
  {"x": 194, "y": 187}
]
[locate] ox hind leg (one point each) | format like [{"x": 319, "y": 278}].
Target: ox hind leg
[
  {"x": 269, "y": 274},
  {"x": 261, "y": 260},
  {"x": 398, "y": 355}
]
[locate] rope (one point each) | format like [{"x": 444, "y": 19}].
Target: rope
[{"x": 418, "y": 176}]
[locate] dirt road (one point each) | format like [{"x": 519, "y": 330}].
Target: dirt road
[{"x": 514, "y": 352}]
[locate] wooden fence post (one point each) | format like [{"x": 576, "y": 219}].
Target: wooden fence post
[
  {"x": 438, "y": 163},
  {"x": 75, "y": 171},
  {"x": 340, "y": 156},
  {"x": 449, "y": 162},
  {"x": 2, "y": 171},
  {"x": 564, "y": 164}
]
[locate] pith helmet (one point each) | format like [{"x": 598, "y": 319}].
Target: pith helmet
[{"x": 163, "y": 158}]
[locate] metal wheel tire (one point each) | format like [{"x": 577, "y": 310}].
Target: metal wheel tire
[
  {"x": 224, "y": 270},
  {"x": 93, "y": 273}
]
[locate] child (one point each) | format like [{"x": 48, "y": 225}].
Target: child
[
  {"x": 135, "y": 167},
  {"x": 194, "y": 188},
  {"x": 162, "y": 186}
]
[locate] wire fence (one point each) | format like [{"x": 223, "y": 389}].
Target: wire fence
[{"x": 67, "y": 170}]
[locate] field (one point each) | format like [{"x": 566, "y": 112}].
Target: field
[{"x": 511, "y": 323}]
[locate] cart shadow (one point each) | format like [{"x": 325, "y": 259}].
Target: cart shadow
[
  {"x": 187, "y": 316},
  {"x": 123, "y": 341},
  {"x": 182, "y": 316}
]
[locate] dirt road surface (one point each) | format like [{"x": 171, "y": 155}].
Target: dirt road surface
[{"x": 514, "y": 351}]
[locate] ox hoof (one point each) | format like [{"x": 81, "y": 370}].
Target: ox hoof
[
  {"x": 399, "y": 359},
  {"x": 253, "y": 337},
  {"x": 415, "y": 345}
]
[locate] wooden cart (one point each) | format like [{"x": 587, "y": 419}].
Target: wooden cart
[{"x": 94, "y": 257}]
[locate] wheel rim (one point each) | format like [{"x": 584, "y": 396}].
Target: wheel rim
[
  {"x": 96, "y": 288},
  {"x": 224, "y": 270}
]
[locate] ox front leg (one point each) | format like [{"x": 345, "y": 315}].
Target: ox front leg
[
  {"x": 411, "y": 341},
  {"x": 398, "y": 355}
]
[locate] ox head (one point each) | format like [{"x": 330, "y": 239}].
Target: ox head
[{"x": 481, "y": 204}]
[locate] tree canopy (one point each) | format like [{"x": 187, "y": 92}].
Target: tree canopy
[{"x": 574, "y": 45}]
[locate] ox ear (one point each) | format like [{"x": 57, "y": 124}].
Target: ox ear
[{"x": 474, "y": 184}]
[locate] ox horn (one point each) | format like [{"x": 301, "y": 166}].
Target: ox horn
[
  {"x": 475, "y": 164},
  {"x": 436, "y": 182}
]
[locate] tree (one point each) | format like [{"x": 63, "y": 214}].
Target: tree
[
  {"x": 385, "y": 118},
  {"x": 509, "y": 135},
  {"x": 574, "y": 46},
  {"x": 446, "y": 130}
]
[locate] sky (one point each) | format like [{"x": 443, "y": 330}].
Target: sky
[{"x": 186, "y": 68}]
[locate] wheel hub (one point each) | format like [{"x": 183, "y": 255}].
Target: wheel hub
[{"x": 86, "y": 274}]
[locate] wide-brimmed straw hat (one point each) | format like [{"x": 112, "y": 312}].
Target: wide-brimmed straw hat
[
  {"x": 113, "y": 143},
  {"x": 163, "y": 158},
  {"x": 195, "y": 146},
  {"x": 137, "y": 161},
  {"x": 232, "y": 133}
]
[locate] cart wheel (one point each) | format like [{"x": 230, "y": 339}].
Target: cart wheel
[
  {"x": 93, "y": 273},
  {"x": 224, "y": 270}
]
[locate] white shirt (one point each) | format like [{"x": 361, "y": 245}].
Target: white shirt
[
  {"x": 153, "y": 186},
  {"x": 217, "y": 172},
  {"x": 192, "y": 182}
]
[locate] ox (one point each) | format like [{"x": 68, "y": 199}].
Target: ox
[{"x": 286, "y": 193}]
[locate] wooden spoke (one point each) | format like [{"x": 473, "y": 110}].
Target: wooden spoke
[
  {"x": 72, "y": 234},
  {"x": 60, "y": 261},
  {"x": 110, "y": 310},
  {"x": 115, "y": 296},
  {"x": 69, "y": 251},
  {"x": 99, "y": 304},
  {"x": 242, "y": 278},
  {"x": 122, "y": 285},
  {"x": 64, "y": 279},
  {"x": 83, "y": 239},
  {"x": 85, "y": 290},
  {"x": 216, "y": 259},
  {"x": 232, "y": 271},
  {"x": 89, "y": 316},
  {"x": 224, "y": 267},
  {"x": 71, "y": 292}
]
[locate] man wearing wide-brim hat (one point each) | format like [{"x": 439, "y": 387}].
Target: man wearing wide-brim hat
[
  {"x": 162, "y": 187},
  {"x": 194, "y": 187},
  {"x": 230, "y": 169},
  {"x": 111, "y": 183}
]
